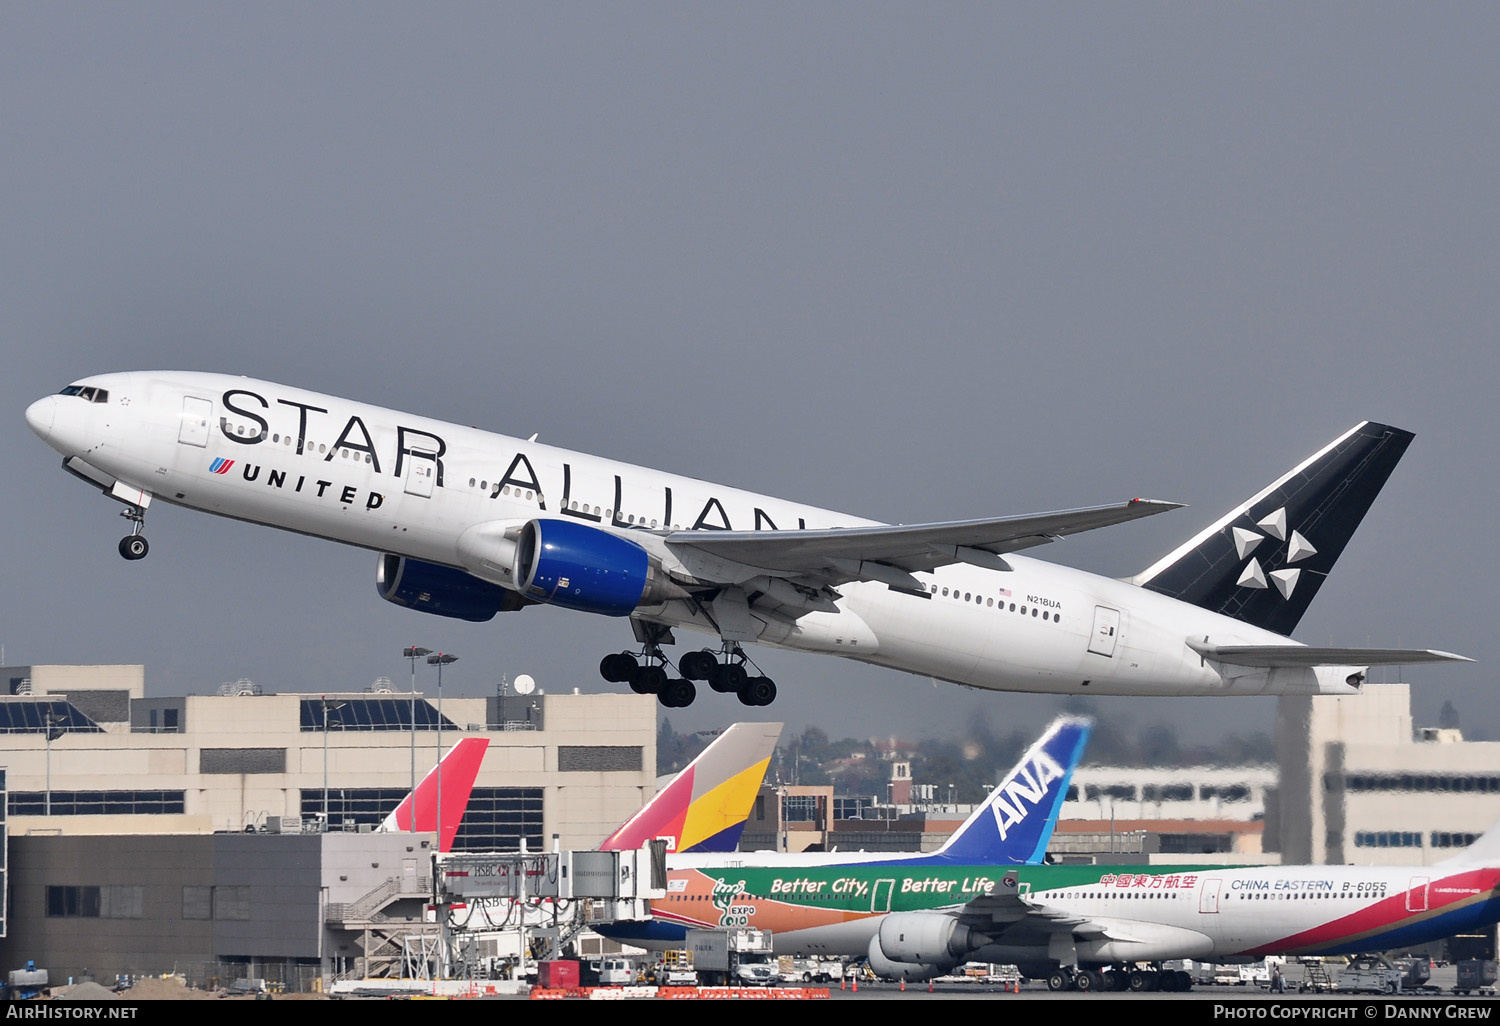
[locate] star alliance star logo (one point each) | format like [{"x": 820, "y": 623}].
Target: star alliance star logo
[{"x": 1254, "y": 576}]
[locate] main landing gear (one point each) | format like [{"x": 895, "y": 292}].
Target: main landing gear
[
  {"x": 1121, "y": 977},
  {"x": 133, "y": 546},
  {"x": 650, "y": 678}
]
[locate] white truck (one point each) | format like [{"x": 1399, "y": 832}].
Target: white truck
[
  {"x": 741, "y": 956},
  {"x": 796, "y": 969}
]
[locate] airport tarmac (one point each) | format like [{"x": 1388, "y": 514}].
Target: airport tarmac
[{"x": 1439, "y": 985}]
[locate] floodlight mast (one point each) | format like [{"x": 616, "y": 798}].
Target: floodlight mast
[
  {"x": 440, "y": 660},
  {"x": 414, "y": 652}
]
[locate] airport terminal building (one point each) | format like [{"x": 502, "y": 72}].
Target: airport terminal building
[
  {"x": 148, "y": 833},
  {"x": 230, "y": 834}
]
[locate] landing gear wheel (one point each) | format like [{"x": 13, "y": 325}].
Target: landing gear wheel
[
  {"x": 1060, "y": 980},
  {"x": 758, "y": 691},
  {"x": 698, "y": 665},
  {"x": 1089, "y": 980},
  {"x": 1142, "y": 981},
  {"x": 678, "y": 694},
  {"x": 728, "y": 678},
  {"x": 134, "y": 546},
  {"x": 648, "y": 680},
  {"x": 618, "y": 667}
]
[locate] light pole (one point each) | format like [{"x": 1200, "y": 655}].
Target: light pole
[
  {"x": 55, "y": 730},
  {"x": 440, "y": 660},
  {"x": 414, "y": 653},
  {"x": 329, "y": 705}
]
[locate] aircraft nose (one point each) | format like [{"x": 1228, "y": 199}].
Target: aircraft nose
[{"x": 41, "y": 414}]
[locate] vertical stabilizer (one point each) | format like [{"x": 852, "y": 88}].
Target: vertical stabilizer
[
  {"x": 1485, "y": 851},
  {"x": 1264, "y": 560},
  {"x": 1015, "y": 823},
  {"x": 460, "y": 767},
  {"x": 705, "y": 807}
]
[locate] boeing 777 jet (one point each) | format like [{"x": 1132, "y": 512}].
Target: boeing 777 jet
[{"x": 469, "y": 524}]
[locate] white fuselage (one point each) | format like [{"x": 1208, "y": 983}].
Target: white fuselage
[
  {"x": 1105, "y": 914},
  {"x": 324, "y": 466},
  {"x": 1287, "y": 910}
]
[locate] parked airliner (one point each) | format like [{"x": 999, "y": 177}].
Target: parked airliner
[
  {"x": 469, "y": 524},
  {"x": 1071, "y": 924},
  {"x": 986, "y": 896},
  {"x": 1012, "y": 827}
]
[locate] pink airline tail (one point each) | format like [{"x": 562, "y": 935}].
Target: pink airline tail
[{"x": 460, "y": 767}]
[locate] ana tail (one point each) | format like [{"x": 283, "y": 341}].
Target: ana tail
[{"x": 1015, "y": 823}]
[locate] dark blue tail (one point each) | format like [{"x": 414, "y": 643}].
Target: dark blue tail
[{"x": 1015, "y": 823}]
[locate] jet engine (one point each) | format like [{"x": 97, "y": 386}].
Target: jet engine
[
  {"x": 442, "y": 590},
  {"x": 581, "y": 567},
  {"x": 920, "y": 945}
]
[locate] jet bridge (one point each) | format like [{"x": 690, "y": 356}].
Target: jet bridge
[{"x": 496, "y": 908}]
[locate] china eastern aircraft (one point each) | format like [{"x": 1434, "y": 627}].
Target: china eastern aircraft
[
  {"x": 469, "y": 524},
  {"x": 1071, "y": 925}
]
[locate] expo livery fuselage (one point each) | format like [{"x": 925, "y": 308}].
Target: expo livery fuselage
[
  {"x": 471, "y": 523},
  {"x": 923, "y": 917},
  {"x": 830, "y": 901}
]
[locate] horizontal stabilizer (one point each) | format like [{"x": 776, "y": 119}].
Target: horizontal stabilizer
[{"x": 1307, "y": 656}]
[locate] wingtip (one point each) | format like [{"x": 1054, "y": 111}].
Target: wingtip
[{"x": 1452, "y": 656}]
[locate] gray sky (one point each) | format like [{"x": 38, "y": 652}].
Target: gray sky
[{"x": 913, "y": 262}]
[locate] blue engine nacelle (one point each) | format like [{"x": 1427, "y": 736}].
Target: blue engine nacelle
[
  {"x": 441, "y": 590},
  {"x": 580, "y": 567}
]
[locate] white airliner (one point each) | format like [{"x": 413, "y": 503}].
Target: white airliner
[
  {"x": 919, "y": 917},
  {"x": 470, "y": 523}
]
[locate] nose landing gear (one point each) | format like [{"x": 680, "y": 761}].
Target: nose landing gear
[{"x": 134, "y": 546}]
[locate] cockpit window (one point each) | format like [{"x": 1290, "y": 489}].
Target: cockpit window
[{"x": 88, "y": 393}]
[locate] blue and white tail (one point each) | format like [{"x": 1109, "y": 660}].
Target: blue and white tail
[{"x": 1015, "y": 823}]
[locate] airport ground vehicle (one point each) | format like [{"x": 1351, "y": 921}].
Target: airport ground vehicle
[
  {"x": 674, "y": 969},
  {"x": 1475, "y": 976},
  {"x": 608, "y": 971},
  {"x": 737, "y": 955},
  {"x": 801, "y": 969},
  {"x": 1370, "y": 974}
]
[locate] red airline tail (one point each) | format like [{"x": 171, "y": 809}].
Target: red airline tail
[{"x": 459, "y": 769}]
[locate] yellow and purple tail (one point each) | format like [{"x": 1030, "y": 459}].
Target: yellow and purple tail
[{"x": 705, "y": 807}]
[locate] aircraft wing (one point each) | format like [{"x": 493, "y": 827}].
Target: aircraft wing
[
  {"x": 1004, "y": 915},
  {"x": 1306, "y": 656},
  {"x": 1002, "y": 906},
  {"x": 891, "y": 553}
]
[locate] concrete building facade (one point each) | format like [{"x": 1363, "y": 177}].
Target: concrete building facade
[
  {"x": 88, "y": 753},
  {"x": 1360, "y": 785},
  {"x": 196, "y": 834}
]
